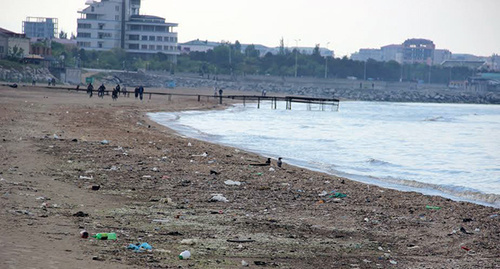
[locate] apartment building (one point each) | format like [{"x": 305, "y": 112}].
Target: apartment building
[
  {"x": 38, "y": 27},
  {"x": 112, "y": 24}
]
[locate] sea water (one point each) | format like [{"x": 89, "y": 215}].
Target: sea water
[{"x": 451, "y": 150}]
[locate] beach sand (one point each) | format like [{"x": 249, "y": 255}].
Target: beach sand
[{"x": 154, "y": 188}]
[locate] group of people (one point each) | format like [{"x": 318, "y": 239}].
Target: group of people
[{"x": 139, "y": 91}]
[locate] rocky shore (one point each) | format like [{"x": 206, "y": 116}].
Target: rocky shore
[
  {"x": 337, "y": 88},
  {"x": 71, "y": 163}
]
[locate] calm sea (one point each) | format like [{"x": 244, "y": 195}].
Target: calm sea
[{"x": 451, "y": 150}]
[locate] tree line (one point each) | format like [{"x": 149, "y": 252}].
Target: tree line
[{"x": 230, "y": 59}]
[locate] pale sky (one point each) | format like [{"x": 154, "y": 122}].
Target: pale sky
[{"x": 462, "y": 26}]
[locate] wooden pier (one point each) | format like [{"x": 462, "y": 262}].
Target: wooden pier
[{"x": 289, "y": 100}]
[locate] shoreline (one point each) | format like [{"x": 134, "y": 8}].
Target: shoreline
[
  {"x": 155, "y": 188},
  {"x": 465, "y": 195}
]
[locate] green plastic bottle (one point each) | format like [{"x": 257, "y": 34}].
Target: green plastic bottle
[{"x": 105, "y": 236}]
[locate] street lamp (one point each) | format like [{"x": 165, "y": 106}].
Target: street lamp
[
  {"x": 296, "y": 54},
  {"x": 326, "y": 61},
  {"x": 365, "y": 71}
]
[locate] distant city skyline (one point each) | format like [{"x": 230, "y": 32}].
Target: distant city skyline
[{"x": 461, "y": 26}]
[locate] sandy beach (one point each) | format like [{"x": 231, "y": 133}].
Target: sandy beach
[{"x": 73, "y": 163}]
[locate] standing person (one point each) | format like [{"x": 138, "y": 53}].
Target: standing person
[
  {"x": 90, "y": 90},
  {"x": 49, "y": 81},
  {"x": 53, "y": 82},
  {"x": 114, "y": 94},
  {"x": 220, "y": 96},
  {"x": 100, "y": 91},
  {"x": 118, "y": 88},
  {"x": 136, "y": 92},
  {"x": 215, "y": 91},
  {"x": 141, "y": 91},
  {"x": 124, "y": 90}
]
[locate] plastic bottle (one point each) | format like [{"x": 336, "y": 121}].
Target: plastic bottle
[
  {"x": 105, "y": 236},
  {"x": 185, "y": 255}
]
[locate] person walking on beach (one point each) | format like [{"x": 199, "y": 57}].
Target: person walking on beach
[
  {"x": 90, "y": 90},
  {"x": 100, "y": 91},
  {"x": 114, "y": 94},
  {"x": 220, "y": 96},
  {"x": 136, "y": 92},
  {"x": 141, "y": 92}
]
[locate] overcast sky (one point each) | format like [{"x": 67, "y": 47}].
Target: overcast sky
[{"x": 462, "y": 26}]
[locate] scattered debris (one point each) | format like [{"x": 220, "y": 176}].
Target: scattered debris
[
  {"x": 80, "y": 214},
  {"x": 232, "y": 183},
  {"x": 185, "y": 255},
  {"x": 218, "y": 198}
]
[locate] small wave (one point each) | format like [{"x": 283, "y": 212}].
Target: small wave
[
  {"x": 381, "y": 163},
  {"x": 438, "y": 118},
  {"x": 449, "y": 191}
]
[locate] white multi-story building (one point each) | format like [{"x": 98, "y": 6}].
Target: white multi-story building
[{"x": 112, "y": 24}]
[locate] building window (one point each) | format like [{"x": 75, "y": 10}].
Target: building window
[
  {"x": 144, "y": 37},
  {"x": 84, "y": 35},
  {"x": 117, "y": 8},
  {"x": 148, "y": 28},
  {"x": 84, "y": 25},
  {"x": 92, "y": 9},
  {"x": 165, "y": 47},
  {"x": 158, "y": 47},
  {"x": 1, "y": 49},
  {"x": 133, "y": 37},
  {"x": 133, "y": 46},
  {"x": 159, "y": 38},
  {"x": 144, "y": 47},
  {"x": 151, "y": 47},
  {"x": 117, "y": 17},
  {"x": 151, "y": 38},
  {"x": 99, "y": 45},
  {"x": 101, "y": 26}
]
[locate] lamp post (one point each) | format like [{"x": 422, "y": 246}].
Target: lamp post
[
  {"x": 296, "y": 54},
  {"x": 365, "y": 72},
  {"x": 326, "y": 61}
]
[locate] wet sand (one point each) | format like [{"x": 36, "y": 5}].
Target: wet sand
[{"x": 156, "y": 186}]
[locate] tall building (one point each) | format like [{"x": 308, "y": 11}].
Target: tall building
[
  {"x": 38, "y": 27},
  {"x": 418, "y": 50},
  {"x": 112, "y": 24}
]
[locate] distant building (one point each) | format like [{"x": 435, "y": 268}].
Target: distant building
[
  {"x": 441, "y": 55},
  {"x": 418, "y": 50},
  {"x": 365, "y": 54},
  {"x": 472, "y": 64},
  {"x": 10, "y": 41},
  {"x": 198, "y": 46},
  {"x": 39, "y": 27},
  {"x": 392, "y": 52},
  {"x": 112, "y": 24},
  {"x": 205, "y": 45}
]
